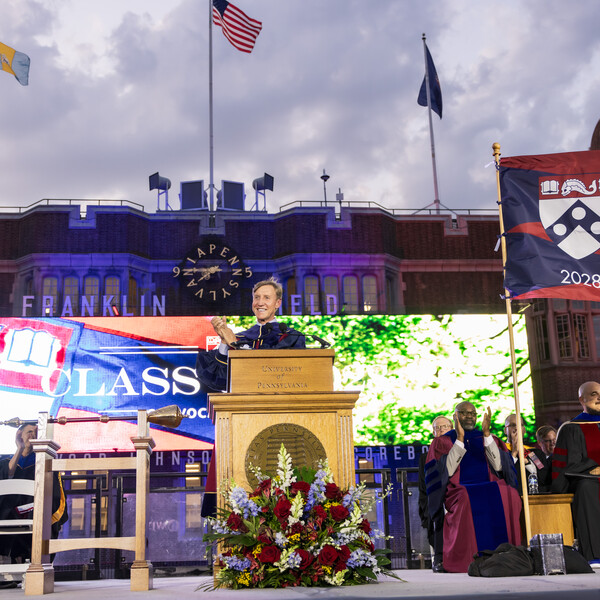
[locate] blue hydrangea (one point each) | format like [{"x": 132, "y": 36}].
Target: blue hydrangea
[
  {"x": 280, "y": 539},
  {"x": 294, "y": 560},
  {"x": 242, "y": 504},
  {"x": 236, "y": 563},
  {"x": 360, "y": 558}
]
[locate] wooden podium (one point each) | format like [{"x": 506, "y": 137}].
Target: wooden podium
[{"x": 282, "y": 396}]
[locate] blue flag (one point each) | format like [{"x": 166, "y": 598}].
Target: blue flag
[
  {"x": 551, "y": 213},
  {"x": 435, "y": 90}
]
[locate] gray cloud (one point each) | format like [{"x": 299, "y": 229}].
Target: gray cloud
[{"x": 330, "y": 85}]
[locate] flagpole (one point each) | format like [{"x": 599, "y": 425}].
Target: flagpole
[
  {"x": 211, "y": 186},
  {"x": 524, "y": 490},
  {"x": 436, "y": 201}
]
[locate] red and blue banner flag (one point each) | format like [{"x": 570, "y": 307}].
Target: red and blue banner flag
[{"x": 551, "y": 213}]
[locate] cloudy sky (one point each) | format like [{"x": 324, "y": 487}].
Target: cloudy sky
[{"x": 118, "y": 90}]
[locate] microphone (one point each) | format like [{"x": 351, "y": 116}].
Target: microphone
[{"x": 283, "y": 327}]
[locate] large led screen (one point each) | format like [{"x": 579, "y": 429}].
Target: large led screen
[{"x": 408, "y": 369}]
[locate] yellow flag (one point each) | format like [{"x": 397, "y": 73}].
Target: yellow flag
[{"x": 15, "y": 62}]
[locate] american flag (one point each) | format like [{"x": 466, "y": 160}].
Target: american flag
[{"x": 237, "y": 26}]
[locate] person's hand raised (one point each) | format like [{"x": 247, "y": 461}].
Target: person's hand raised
[
  {"x": 486, "y": 422},
  {"x": 222, "y": 330},
  {"x": 460, "y": 432}
]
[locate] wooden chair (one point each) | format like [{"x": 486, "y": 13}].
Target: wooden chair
[{"x": 21, "y": 487}]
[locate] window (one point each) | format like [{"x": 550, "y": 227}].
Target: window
[
  {"x": 581, "y": 336},
  {"x": 91, "y": 291},
  {"x": 538, "y": 305},
  {"x": 112, "y": 287},
  {"x": 290, "y": 288},
  {"x": 71, "y": 292},
  {"x": 541, "y": 338},
  {"x": 350, "y": 291},
  {"x": 132, "y": 296},
  {"x": 50, "y": 293},
  {"x": 330, "y": 286},
  {"x": 563, "y": 334},
  {"x": 330, "y": 294},
  {"x": 596, "y": 325},
  {"x": 311, "y": 295},
  {"x": 369, "y": 285},
  {"x": 390, "y": 295}
]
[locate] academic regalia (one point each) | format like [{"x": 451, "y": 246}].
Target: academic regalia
[
  {"x": 211, "y": 369},
  {"x": 211, "y": 366},
  {"x": 483, "y": 506},
  {"x": 20, "y": 545},
  {"x": 577, "y": 452}
]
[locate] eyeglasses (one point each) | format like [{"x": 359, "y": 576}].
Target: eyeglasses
[
  {"x": 441, "y": 427},
  {"x": 467, "y": 413}
]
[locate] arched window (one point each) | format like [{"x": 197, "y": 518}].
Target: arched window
[
  {"x": 369, "y": 293},
  {"x": 311, "y": 295},
  {"x": 71, "y": 295},
  {"x": 90, "y": 303},
  {"x": 350, "y": 292},
  {"x": 50, "y": 296},
  {"x": 112, "y": 287}
]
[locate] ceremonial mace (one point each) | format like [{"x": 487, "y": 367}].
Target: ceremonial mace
[{"x": 167, "y": 416}]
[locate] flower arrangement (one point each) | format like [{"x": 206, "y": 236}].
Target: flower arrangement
[{"x": 291, "y": 532}]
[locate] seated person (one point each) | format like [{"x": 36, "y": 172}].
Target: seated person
[
  {"x": 440, "y": 426},
  {"x": 576, "y": 469},
  {"x": 546, "y": 439},
  {"x": 22, "y": 466},
  {"x": 535, "y": 460},
  {"x": 471, "y": 475}
]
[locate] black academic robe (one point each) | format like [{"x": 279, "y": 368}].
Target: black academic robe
[
  {"x": 211, "y": 369},
  {"x": 211, "y": 365},
  {"x": 577, "y": 452}
]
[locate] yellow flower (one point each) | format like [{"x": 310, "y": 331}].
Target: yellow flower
[
  {"x": 257, "y": 550},
  {"x": 295, "y": 537},
  {"x": 327, "y": 569},
  {"x": 244, "y": 579}
]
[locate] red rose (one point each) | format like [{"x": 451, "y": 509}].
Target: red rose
[
  {"x": 282, "y": 508},
  {"x": 338, "y": 512},
  {"x": 269, "y": 554},
  {"x": 320, "y": 512},
  {"x": 344, "y": 553},
  {"x": 300, "y": 486},
  {"x": 328, "y": 555},
  {"x": 235, "y": 523},
  {"x": 365, "y": 526},
  {"x": 306, "y": 558},
  {"x": 264, "y": 486},
  {"x": 332, "y": 492}
]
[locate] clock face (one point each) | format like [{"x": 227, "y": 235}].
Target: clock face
[{"x": 212, "y": 271}]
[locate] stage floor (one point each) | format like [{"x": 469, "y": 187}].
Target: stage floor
[{"x": 417, "y": 584}]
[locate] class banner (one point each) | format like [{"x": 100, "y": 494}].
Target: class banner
[
  {"x": 82, "y": 368},
  {"x": 551, "y": 214}
]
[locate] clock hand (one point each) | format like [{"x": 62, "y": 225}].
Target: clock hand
[{"x": 208, "y": 271}]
